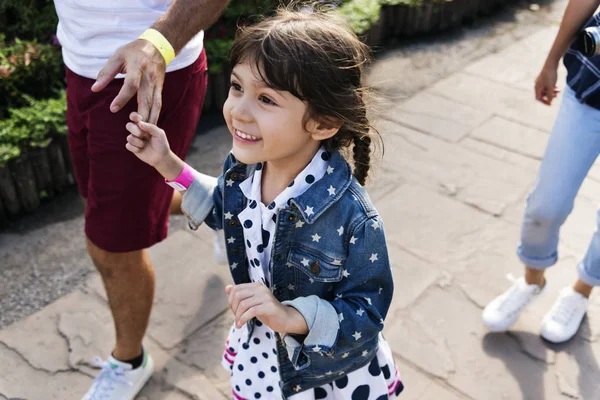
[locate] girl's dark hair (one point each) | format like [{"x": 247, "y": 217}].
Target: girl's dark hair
[{"x": 317, "y": 58}]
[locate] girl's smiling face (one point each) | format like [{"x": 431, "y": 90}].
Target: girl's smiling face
[{"x": 268, "y": 124}]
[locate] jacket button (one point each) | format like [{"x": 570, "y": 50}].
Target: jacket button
[
  {"x": 237, "y": 251},
  {"x": 314, "y": 268},
  {"x": 291, "y": 218},
  {"x": 232, "y": 222},
  {"x": 235, "y": 176}
]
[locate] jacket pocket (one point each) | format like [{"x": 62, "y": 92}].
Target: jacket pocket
[{"x": 314, "y": 265}]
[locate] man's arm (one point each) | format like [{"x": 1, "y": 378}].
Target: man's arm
[{"x": 144, "y": 66}]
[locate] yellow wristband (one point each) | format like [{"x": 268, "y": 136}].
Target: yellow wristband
[{"x": 161, "y": 43}]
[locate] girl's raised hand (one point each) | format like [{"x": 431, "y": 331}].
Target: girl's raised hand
[
  {"x": 249, "y": 300},
  {"x": 147, "y": 141}
]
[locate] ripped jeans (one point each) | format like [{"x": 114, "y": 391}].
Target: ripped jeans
[{"x": 573, "y": 146}]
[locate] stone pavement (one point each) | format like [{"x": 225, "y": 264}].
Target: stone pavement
[{"x": 460, "y": 158}]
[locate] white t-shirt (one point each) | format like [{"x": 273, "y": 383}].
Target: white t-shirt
[{"x": 90, "y": 31}]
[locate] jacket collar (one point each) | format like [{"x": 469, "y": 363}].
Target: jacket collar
[{"x": 324, "y": 193}]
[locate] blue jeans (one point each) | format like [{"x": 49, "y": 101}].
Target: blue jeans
[{"x": 573, "y": 146}]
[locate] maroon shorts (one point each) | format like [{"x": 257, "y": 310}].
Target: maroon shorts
[{"x": 127, "y": 200}]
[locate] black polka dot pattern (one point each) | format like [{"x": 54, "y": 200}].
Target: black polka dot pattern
[
  {"x": 374, "y": 368},
  {"x": 361, "y": 393},
  {"x": 342, "y": 382},
  {"x": 254, "y": 371},
  {"x": 320, "y": 393},
  {"x": 386, "y": 371}
]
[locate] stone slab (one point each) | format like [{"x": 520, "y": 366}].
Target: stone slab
[
  {"x": 512, "y": 136},
  {"x": 472, "y": 178},
  {"x": 438, "y": 116},
  {"x": 477, "y": 364},
  {"x": 515, "y": 104},
  {"x": 427, "y": 224}
]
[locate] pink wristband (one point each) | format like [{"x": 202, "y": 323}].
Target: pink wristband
[{"x": 184, "y": 180}]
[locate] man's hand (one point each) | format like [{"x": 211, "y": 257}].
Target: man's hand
[{"x": 144, "y": 68}]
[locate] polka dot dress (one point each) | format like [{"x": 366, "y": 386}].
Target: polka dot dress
[{"x": 253, "y": 364}]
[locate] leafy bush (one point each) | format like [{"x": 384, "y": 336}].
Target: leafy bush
[
  {"x": 360, "y": 14},
  {"x": 8, "y": 152},
  {"x": 405, "y": 2},
  {"x": 28, "y": 69},
  {"x": 35, "y": 124},
  {"x": 246, "y": 8},
  {"x": 216, "y": 52},
  {"x": 28, "y": 19}
]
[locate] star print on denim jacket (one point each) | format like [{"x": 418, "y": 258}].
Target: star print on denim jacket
[{"x": 329, "y": 260}]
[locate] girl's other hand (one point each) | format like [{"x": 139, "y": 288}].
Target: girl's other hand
[
  {"x": 147, "y": 141},
  {"x": 249, "y": 300}
]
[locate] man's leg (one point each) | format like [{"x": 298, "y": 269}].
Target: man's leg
[
  {"x": 129, "y": 282},
  {"x": 127, "y": 212}
]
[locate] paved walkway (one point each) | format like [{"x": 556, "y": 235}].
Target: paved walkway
[{"x": 460, "y": 158}]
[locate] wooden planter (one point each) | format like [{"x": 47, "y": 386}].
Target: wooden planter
[
  {"x": 9, "y": 197},
  {"x": 403, "y": 20},
  {"x": 39, "y": 172},
  {"x": 23, "y": 176},
  {"x": 40, "y": 163}
]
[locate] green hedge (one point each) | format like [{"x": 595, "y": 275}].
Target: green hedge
[
  {"x": 28, "y": 69},
  {"x": 360, "y": 14},
  {"x": 32, "y": 126},
  {"x": 28, "y": 19}
]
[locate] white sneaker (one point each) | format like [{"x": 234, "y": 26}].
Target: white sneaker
[
  {"x": 563, "y": 320},
  {"x": 502, "y": 312},
  {"x": 117, "y": 381}
]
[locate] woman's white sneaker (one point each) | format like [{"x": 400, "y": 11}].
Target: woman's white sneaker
[
  {"x": 117, "y": 381},
  {"x": 502, "y": 312},
  {"x": 563, "y": 320}
]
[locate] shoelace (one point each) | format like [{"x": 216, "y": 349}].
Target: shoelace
[
  {"x": 514, "y": 296},
  {"x": 564, "y": 310},
  {"x": 108, "y": 376}
]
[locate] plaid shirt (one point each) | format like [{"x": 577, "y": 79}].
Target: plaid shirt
[{"x": 584, "y": 73}]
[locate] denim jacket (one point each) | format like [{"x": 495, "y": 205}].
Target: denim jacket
[
  {"x": 339, "y": 280},
  {"x": 583, "y": 74}
]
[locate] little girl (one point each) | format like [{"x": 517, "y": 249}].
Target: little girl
[{"x": 305, "y": 245}]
